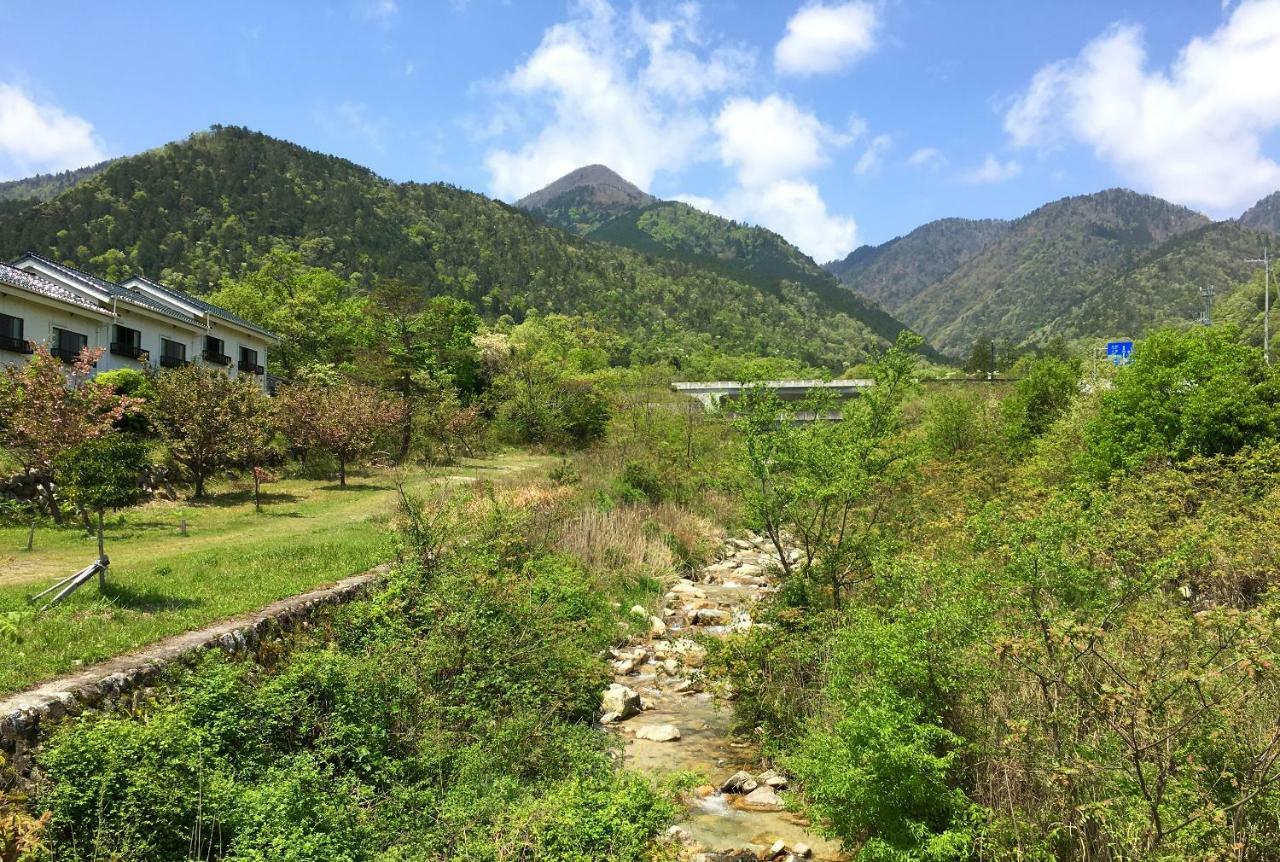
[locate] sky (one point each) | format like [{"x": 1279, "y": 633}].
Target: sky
[{"x": 834, "y": 123}]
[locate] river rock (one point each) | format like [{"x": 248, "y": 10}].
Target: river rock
[
  {"x": 740, "y": 782},
  {"x": 763, "y": 799},
  {"x": 710, "y": 617},
  {"x": 639, "y": 611},
  {"x": 658, "y": 732},
  {"x": 657, "y": 626},
  {"x": 779, "y": 848},
  {"x": 619, "y": 699},
  {"x": 802, "y": 851},
  {"x": 772, "y": 779}
]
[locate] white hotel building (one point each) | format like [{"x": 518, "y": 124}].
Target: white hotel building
[{"x": 137, "y": 323}]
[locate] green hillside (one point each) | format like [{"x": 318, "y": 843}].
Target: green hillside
[
  {"x": 1048, "y": 262},
  {"x": 896, "y": 271},
  {"x": 41, "y": 187},
  {"x": 747, "y": 253},
  {"x": 207, "y": 209}
]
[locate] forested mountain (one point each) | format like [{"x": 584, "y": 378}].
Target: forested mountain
[
  {"x": 894, "y": 272},
  {"x": 1163, "y": 287},
  {"x": 41, "y": 187},
  {"x": 208, "y": 209},
  {"x": 583, "y": 199},
  {"x": 595, "y": 202},
  {"x": 1264, "y": 215},
  {"x": 1023, "y": 281}
]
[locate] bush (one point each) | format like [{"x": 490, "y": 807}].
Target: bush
[{"x": 1198, "y": 392}]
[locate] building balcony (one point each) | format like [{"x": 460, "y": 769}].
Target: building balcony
[
  {"x": 249, "y": 368},
  {"x": 68, "y": 356},
  {"x": 216, "y": 358},
  {"x": 15, "y": 345},
  {"x": 173, "y": 362},
  {"x": 129, "y": 351}
]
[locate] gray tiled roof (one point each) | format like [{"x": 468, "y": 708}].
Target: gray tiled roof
[
  {"x": 114, "y": 290},
  {"x": 33, "y": 283},
  {"x": 208, "y": 307}
]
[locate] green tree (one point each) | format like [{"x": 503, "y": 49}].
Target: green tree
[
  {"x": 1194, "y": 392},
  {"x": 104, "y": 473},
  {"x": 819, "y": 482},
  {"x": 1046, "y": 389},
  {"x": 200, "y": 413},
  {"x": 315, "y": 312}
]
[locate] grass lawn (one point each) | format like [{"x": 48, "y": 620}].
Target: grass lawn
[{"x": 231, "y": 561}]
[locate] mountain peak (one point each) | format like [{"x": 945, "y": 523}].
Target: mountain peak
[
  {"x": 1264, "y": 215},
  {"x": 585, "y": 198}
]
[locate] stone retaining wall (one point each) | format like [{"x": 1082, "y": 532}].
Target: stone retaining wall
[{"x": 109, "y": 683}]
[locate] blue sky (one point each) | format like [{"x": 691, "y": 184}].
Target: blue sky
[{"x": 836, "y": 123}]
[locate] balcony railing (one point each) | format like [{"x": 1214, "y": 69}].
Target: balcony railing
[
  {"x": 215, "y": 358},
  {"x": 15, "y": 345},
  {"x": 172, "y": 361},
  {"x": 250, "y": 368},
  {"x": 130, "y": 351},
  {"x": 68, "y": 356}
]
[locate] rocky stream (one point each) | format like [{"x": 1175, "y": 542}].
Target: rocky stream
[{"x": 672, "y": 720}]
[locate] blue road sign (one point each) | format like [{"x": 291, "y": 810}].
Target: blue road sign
[{"x": 1119, "y": 351}]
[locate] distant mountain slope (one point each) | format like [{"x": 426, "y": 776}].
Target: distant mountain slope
[
  {"x": 1264, "y": 215},
  {"x": 1043, "y": 266},
  {"x": 584, "y": 199},
  {"x": 747, "y": 253},
  {"x": 1163, "y": 287},
  {"x": 41, "y": 187},
  {"x": 210, "y": 207},
  {"x": 894, "y": 272}
]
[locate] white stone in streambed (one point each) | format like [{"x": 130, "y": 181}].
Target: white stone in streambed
[
  {"x": 658, "y": 732},
  {"x": 763, "y": 799},
  {"x": 639, "y": 611},
  {"x": 710, "y": 617},
  {"x": 773, "y": 779},
  {"x": 740, "y": 782},
  {"x": 802, "y": 851},
  {"x": 620, "y": 700},
  {"x": 657, "y": 626}
]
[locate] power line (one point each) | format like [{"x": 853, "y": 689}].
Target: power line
[{"x": 1266, "y": 301}]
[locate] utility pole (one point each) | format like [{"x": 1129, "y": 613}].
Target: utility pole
[
  {"x": 1206, "y": 293},
  {"x": 1266, "y": 302},
  {"x": 992, "y": 376}
]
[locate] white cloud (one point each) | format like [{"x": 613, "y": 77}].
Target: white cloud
[
  {"x": 771, "y": 144},
  {"x": 927, "y": 157},
  {"x": 42, "y": 138},
  {"x": 992, "y": 170},
  {"x": 381, "y": 12},
  {"x": 872, "y": 158},
  {"x": 649, "y": 96},
  {"x": 626, "y": 93},
  {"x": 1193, "y": 133},
  {"x": 821, "y": 39}
]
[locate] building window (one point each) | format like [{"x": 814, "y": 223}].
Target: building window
[
  {"x": 67, "y": 345},
  {"x": 11, "y": 338},
  {"x": 249, "y": 361},
  {"x": 173, "y": 354},
  {"x": 128, "y": 343},
  {"x": 215, "y": 351}
]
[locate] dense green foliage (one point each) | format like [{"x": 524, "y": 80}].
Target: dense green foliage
[
  {"x": 444, "y": 718},
  {"x": 41, "y": 187},
  {"x": 745, "y": 253},
  {"x": 1060, "y": 643},
  {"x": 212, "y": 208}
]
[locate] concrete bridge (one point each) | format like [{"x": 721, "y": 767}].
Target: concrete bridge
[{"x": 712, "y": 392}]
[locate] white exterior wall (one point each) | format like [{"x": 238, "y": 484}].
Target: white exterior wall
[{"x": 40, "y": 317}]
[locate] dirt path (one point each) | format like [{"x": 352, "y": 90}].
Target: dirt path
[{"x": 744, "y": 813}]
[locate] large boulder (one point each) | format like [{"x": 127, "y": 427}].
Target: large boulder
[
  {"x": 658, "y": 732},
  {"x": 620, "y": 700},
  {"x": 762, "y": 799},
  {"x": 740, "y": 782}
]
